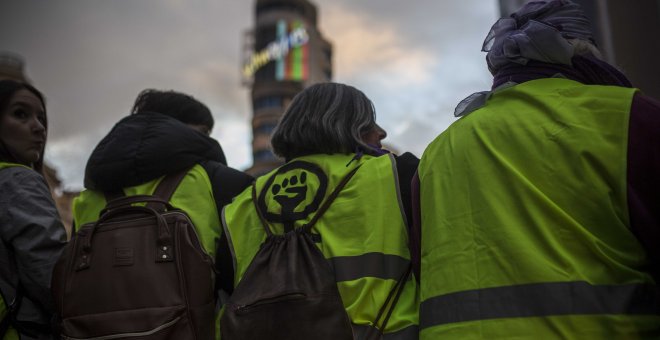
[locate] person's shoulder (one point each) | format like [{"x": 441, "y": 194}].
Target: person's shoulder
[
  {"x": 20, "y": 176},
  {"x": 21, "y": 186},
  {"x": 222, "y": 176},
  {"x": 646, "y": 102},
  {"x": 217, "y": 169},
  {"x": 407, "y": 157},
  {"x": 226, "y": 182},
  {"x": 644, "y": 112},
  {"x": 407, "y": 161}
]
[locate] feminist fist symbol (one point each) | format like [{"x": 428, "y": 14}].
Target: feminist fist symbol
[{"x": 289, "y": 203}]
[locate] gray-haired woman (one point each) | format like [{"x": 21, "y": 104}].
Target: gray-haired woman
[
  {"x": 328, "y": 134},
  {"x": 328, "y": 118}
]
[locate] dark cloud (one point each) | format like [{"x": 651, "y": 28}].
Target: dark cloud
[{"x": 92, "y": 57}]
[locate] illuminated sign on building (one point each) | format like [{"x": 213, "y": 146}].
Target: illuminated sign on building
[{"x": 288, "y": 50}]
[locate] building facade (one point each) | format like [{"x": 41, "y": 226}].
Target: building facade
[{"x": 283, "y": 54}]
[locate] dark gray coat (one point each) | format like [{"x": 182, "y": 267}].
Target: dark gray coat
[{"x": 32, "y": 238}]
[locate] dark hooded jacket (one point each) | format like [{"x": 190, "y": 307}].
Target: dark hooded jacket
[{"x": 146, "y": 146}]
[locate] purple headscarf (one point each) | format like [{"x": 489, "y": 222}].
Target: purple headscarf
[{"x": 538, "y": 31}]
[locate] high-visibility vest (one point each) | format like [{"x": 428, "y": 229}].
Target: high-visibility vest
[
  {"x": 11, "y": 332},
  {"x": 525, "y": 226},
  {"x": 194, "y": 195},
  {"x": 363, "y": 233}
]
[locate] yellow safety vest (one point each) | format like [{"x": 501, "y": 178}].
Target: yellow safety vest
[
  {"x": 363, "y": 233},
  {"x": 525, "y": 227}
]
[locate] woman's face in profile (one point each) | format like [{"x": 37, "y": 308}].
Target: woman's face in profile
[
  {"x": 374, "y": 136},
  {"x": 22, "y": 127}
]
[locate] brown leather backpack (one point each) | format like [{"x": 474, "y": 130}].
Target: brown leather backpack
[{"x": 138, "y": 272}]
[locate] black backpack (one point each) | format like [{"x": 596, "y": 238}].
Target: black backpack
[
  {"x": 137, "y": 272},
  {"x": 289, "y": 289}
]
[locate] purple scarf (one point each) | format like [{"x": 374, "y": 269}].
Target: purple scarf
[{"x": 538, "y": 31}]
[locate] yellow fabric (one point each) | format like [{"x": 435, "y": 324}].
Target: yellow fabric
[
  {"x": 531, "y": 188},
  {"x": 366, "y": 217},
  {"x": 11, "y": 334},
  {"x": 4, "y": 165}
]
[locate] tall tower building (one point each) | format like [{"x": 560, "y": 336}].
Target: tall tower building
[
  {"x": 284, "y": 53},
  {"x": 627, "y": 34}
]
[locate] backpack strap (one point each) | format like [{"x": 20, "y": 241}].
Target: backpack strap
[
  {"x": 167, "y": 186},
  {"x": 415, "y": 229},
  {"x": 394, "y": 293},
  {"x": 307, "y": 227},
  {"x": 111, "y": 196},
  {"x": 11, "y": 308},
  {"x": 264, "y": 223},
  {"x": 158, "y": 199},
  {"x": 4, "y": 326},
  {"x": 23, "y": 327}
]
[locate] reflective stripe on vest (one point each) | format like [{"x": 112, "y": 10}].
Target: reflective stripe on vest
[
  {"x": 367, "y": 258},
  {"x": 525, "y": 220},
  {"x": 540, "y": 300},
  {"x": 382, "y": 266},
  {"x": 194, "y": 196}
]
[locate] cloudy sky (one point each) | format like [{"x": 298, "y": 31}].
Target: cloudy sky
[{"x": 414, "y": 59}]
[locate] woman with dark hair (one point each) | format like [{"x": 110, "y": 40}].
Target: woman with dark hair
[
  {"x": 349, "y": 194},
  {"x": 179, "y": 106},
  {"x": 31, "y": 231},
  {"x": 22, "y": 97},
  {"x": 167, "y": 133}
]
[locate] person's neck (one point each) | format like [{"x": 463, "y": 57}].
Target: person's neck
[{"x": 584, "y": 69}]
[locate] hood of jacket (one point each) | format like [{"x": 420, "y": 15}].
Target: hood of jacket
[{"x": 145, "y": 146}]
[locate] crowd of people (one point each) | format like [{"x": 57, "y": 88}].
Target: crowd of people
[{"x": 535, "y": 214}]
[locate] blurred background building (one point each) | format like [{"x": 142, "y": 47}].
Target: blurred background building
[
  {"x": 12, "y": 67},
  {"x": 283, "y": 54},
  {"x": 627, "y": 33}
]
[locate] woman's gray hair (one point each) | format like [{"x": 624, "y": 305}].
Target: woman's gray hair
[{"x": 324, "y": 118}]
